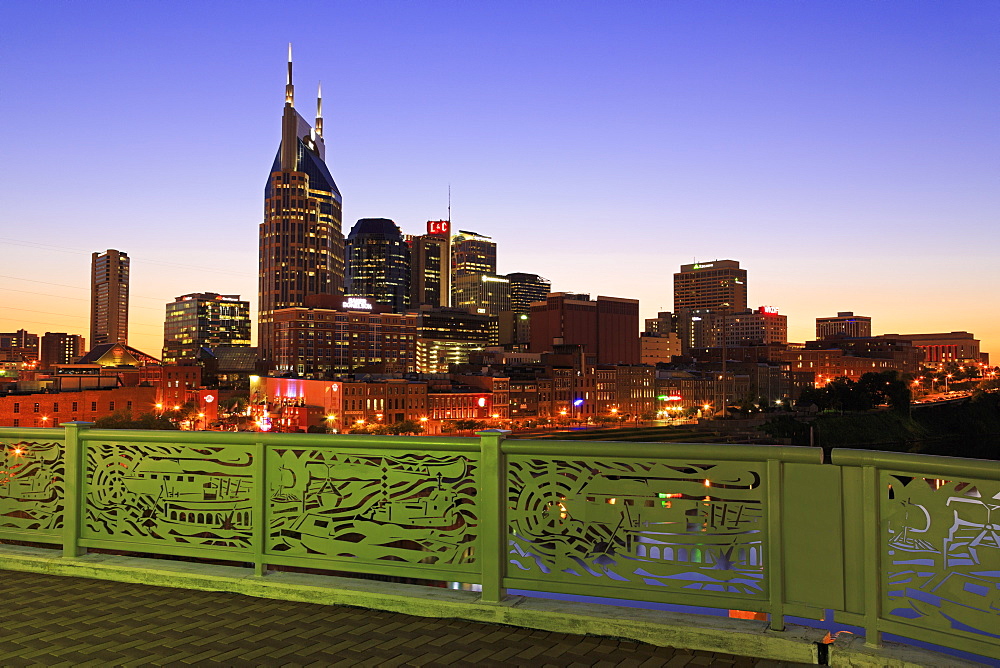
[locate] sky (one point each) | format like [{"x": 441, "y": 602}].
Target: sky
[{"x": 845, "y": 153}]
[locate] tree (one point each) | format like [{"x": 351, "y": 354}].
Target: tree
[
  {"x": 124, "y": 420},
  {"x": 405, "y": 427},
  {"x": 817, "y": 396},
  {"x": 469, "y": 425}
]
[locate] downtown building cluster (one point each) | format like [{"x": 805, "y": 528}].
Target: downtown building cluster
[{"x": 383, "y": 326}]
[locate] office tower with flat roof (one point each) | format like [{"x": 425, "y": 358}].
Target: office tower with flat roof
[
  {"x": 447, "y": 336},
  {"x": 473, "y": 254},
  {"x": 317, "y": 342},
  {"x": 845, "y": 324},
  {"x": 607, "y": 328},
  {"x": 944, "y": 347},
  {"x": 60, "y": 348},
  {"x": 430, "y": 266},
  {"x": 204, "y": 320},
  {"x": 711, "y": 285},
  {"x": 109, "y": 273},
  {"x": 482, "y": 293},
  {"x": 526, "y": 289},
  {"x": 301, "y": 241},
  {"x": 378, "y": 264}
]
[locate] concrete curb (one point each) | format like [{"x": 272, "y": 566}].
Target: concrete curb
[{"x": 668, "y": 629}]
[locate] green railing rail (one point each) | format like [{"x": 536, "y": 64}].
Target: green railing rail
[{"x": 897, "y": 543}]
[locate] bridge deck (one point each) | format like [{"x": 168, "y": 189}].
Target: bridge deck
[{"x": 68, "y": 621}]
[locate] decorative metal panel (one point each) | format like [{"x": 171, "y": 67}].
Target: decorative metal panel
[
  {"x": 31, "y": 486},
  {"x": 170, "y": 494},
  {"x": 641, "y": 524},
  {"x": 413, "y": 508},
  {"x": 942, "y": 551}
]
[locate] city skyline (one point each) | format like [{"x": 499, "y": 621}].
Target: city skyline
[{"x": 835, "y": 174}]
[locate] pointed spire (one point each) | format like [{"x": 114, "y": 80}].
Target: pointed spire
[
  {"x": 289, "y": 88},
  {"x": 319, "y": 109}
]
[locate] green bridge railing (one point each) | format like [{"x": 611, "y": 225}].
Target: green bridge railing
[{"x": 897, "y": 543}]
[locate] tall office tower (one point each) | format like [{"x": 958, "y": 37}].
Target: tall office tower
[
  {"x": 204, "y": 320},
  {"x": 378, "y": 264},
  {"x": 526, "y": 289},
  {"x": 607, "y": 328},
  {"x": 473, "y": 254},
  {"x": 108, "y": 297},
  {"x": 301, "y": 242},
  {"x": 711, "y": 285},
  {"x": 845, "y": 324},
  {"x": 430, "y": 266},
  {"x": 61, "y": 348}
]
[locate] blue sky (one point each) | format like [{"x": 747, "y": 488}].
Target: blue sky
[{"x": 846, "y": 153}]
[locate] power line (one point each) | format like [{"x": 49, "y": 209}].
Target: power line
[
  {"x": 66, "y": 315},
  {"x": 74, "y": 287},
  {"x": 79, "y": 299},
  {"x": 77, "y": 251}
]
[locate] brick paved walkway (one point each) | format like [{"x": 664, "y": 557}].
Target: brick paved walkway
[{"x": 63, "y": 621}]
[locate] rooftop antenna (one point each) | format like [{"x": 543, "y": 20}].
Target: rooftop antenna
[
  {"x": 449, "y": 206},
  {"x": 289, "y": 88}
]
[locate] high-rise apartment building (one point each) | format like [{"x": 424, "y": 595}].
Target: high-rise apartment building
[
  {"x": 473, "y": 254},
  {"x": 711, "y": 285},
  {"x": 109, "y": 297},
  {"x": 301, "y": 241},
  {"x": 719, "y": 328},
  {"x": 60, "y": 348},
  {"x": 204, "y": 320},
  {"x": 430, "y": 266},
  {"x": 19, "y": 346},
  {"x": 378, "y": 264},
  {"x": 607, "y": 328},
  {"x": 845, "y": 324},
  {"x": 526, "y": 289},
  {"x": 747, "y": 328},
  {"x": 663, "y": 324}
]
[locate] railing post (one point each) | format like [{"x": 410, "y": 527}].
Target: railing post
[
  {"x": 492, "y": 554},
  {"x": 74, "y": 465},
  {"x": 873, "y": 555},
  {"x": 258, "y": 534},
  {"x": 775, "y": 545}
]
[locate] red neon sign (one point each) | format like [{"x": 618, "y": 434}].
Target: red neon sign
[
  {"x": 769, "y": 310},
  {"x": 438, "y": 227}
]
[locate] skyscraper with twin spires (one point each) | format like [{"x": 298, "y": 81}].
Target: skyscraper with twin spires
[{"x": 301, "y": 240}]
